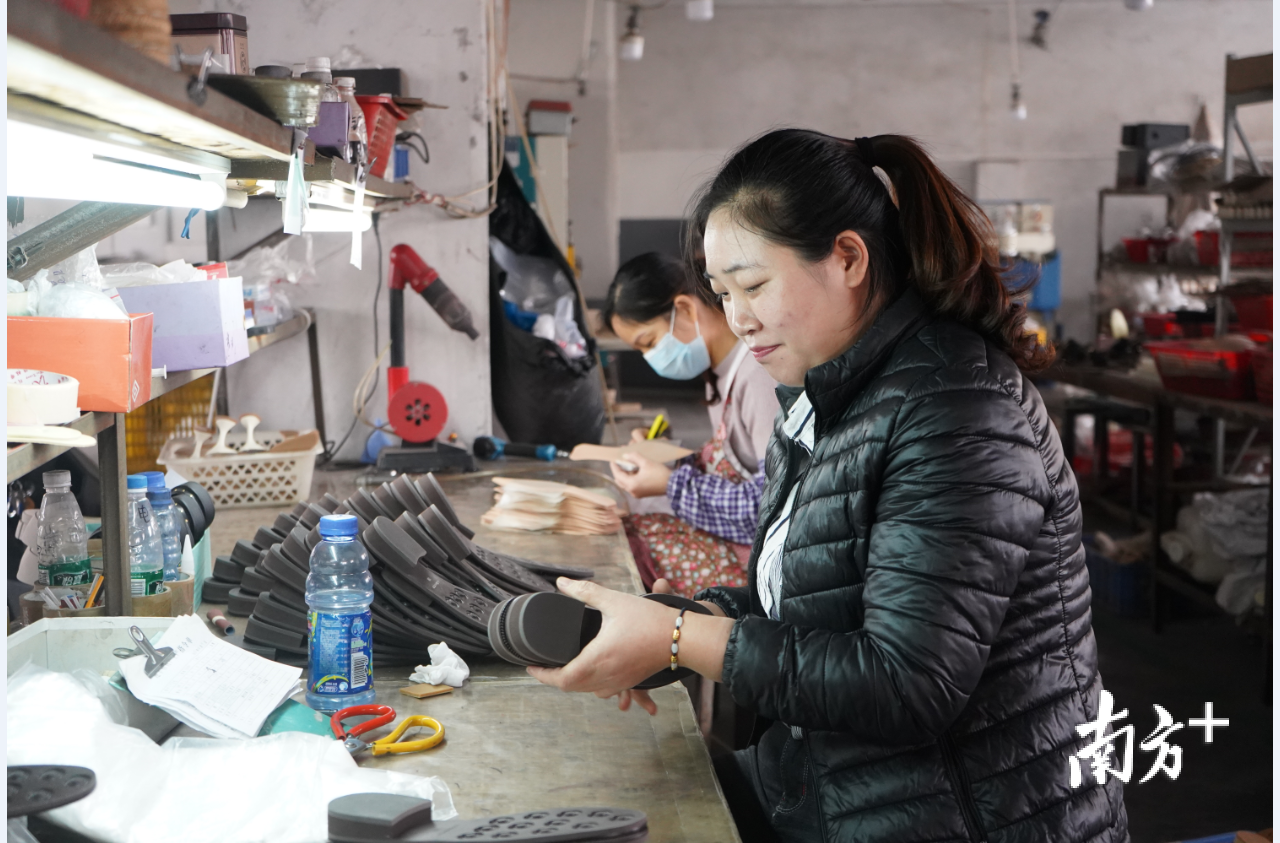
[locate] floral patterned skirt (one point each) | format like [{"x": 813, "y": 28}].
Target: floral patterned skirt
[{"x": 690, "y": 559}]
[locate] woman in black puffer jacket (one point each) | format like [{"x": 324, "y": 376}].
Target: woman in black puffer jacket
[{"x": 917, "y": 624}]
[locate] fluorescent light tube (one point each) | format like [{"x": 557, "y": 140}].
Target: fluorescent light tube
[{"x": 47, "y": 164}]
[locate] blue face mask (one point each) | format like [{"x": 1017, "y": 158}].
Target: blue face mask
[{"x": 679, "y": 361}]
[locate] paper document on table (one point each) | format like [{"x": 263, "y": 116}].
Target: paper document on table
[
  {"x": 210, "y": 684},
  {"x": 654, "y": 449}
]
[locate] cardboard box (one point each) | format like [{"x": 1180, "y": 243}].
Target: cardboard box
[
  {"x": 198, "y": 324},
  {"x": 111, "y": 358}
]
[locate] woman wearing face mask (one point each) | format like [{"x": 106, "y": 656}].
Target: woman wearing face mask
[
  {"x": 916, "y": 631},
  {"x": 656, "y": 306}
]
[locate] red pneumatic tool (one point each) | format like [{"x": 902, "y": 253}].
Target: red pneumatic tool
[{"x": 416, "y": 410}]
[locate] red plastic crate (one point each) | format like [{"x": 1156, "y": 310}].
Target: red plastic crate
[
  {"x": 1254, "y": 312},
  {"x": 381, "y": 120},
  {"x": 1199, "y": 371},
  {"x": 1158, "y": 325},
  {"x": 1146, "y": 249},
  {"x": 1247, "y": 248},
  {"x": 1262, "y": 374}
]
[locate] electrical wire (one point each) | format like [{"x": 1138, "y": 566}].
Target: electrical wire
[
  {"x": 377, "y": 291},
  {"x": 360, "y": 402},
  {"x": 497, "y": 88},
  {"x": 424, "y": 152}
]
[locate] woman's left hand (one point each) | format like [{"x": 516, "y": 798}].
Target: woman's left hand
[
  {"x": 634, "y": 643},
  {"x": 650, "y": 480}
]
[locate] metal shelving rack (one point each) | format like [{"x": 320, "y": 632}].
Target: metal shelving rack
[
  {"x": 64, "y": 73},
  {"x": 1248, "y": 81},
  {"x": 112, "y": 469}
]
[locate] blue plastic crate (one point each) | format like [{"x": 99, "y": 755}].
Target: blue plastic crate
[{"x": 1046, "y": 280}]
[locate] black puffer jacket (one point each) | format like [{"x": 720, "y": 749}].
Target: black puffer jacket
[{"x": 935, "y": 649}]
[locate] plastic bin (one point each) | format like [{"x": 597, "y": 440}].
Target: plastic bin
[
  {"x": 1249, "y": 248},
  {"x": 1199, "y": 371},
  {"x": 1147, "y": 249},
  {"x": 382, "y": 120},
  {"x": 1121, "y": 588},
  {"x": 1160, "y": 325},
  {"x": 258, "y": 478},
  {"x": 1254, "y": 312}
]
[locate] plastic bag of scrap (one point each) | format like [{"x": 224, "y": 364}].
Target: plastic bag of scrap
[
  {"x": 292, "y": 260},
  {"x": 198, "y": 790},
  {"x": 80, "y": 268},
  {"x": 143, "y": 274},
  {"x": 75, "y": 301}
]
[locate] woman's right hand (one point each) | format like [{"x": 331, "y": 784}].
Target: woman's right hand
[{"x": 639, "y": 434}]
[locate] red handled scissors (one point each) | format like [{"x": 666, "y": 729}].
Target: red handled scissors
[{"x": 381, "y": 716}]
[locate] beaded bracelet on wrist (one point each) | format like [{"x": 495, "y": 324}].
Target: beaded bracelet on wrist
[{"x": 675, "y": 640}]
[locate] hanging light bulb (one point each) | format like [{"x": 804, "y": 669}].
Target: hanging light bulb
[
  {"x": 1016, "y": 107},
  {"x": 1138, "y": 5},
  {"x": 631, "y": 46},
  {"x": 700, "y": 10}
]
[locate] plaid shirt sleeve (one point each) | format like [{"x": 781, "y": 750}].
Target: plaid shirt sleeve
[{"x": 712, "y": 503}]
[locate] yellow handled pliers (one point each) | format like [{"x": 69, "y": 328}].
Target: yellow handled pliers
[{"x": 391, "y": 744}]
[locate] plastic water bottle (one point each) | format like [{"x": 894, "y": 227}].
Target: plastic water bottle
[
  {"x": 146, "y": 556},
  {"x": 339, "y": 640},
  {"x": 62, "y": 543},
  {"x": 319, "y": 70},
  {"x": 168, "y": 522},
  {"x": 358, "y": 133}
]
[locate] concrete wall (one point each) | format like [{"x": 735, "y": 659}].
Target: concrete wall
[
  {"x": 441, "y": 47},
  {"x": 545, "y": 40},
  {"x": 939, "y": 72}
]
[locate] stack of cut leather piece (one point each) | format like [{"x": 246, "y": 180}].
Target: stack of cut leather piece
[
  {"x": 431, "y": 582},
  {"x": 535, "y": 505}
]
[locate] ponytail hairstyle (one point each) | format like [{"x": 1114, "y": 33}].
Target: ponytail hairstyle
[
  {"x": 645, "y": 288},
  {"x": 800, "y": 188}
]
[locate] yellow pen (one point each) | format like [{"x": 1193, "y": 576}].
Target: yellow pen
[{"x": 658, "y": 424}]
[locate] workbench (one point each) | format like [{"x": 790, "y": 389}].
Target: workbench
[{"x": 513, "y": 744}]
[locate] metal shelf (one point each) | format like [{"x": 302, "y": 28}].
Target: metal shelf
[
  {"x": 27, "y": 457},
  {"x": 56, "y": 57},
  {"x": 325, "y": 169},
  {"x": 1185, "y": 271},
  {"x": 1232, "y": 226}
]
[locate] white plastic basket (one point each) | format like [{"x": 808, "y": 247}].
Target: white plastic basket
[{"x": 258, "y": 478}]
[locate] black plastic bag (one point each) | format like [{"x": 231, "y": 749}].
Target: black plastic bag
[{"x": 540, "y": 395}]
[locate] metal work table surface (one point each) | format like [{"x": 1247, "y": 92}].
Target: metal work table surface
[{"x": 513, "y": 744}]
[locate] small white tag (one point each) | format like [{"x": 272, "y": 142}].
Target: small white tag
[{"x": 357, "y": 236}]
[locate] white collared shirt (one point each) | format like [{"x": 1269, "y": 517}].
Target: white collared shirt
[{"x": 799, "y": 428}]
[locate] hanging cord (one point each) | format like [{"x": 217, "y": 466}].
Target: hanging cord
[
  {"x": 1014, "y": 65},
  {"x": 497, "y": 89},
  {"x": 377, "y": 293},
  {"x": 406, "y": 139},
  {"x": 368, "y": 383}
]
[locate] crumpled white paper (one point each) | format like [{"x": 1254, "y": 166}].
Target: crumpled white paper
[
  {"x": 446, "y": 668},
  {"x": 274, "y": 789}
]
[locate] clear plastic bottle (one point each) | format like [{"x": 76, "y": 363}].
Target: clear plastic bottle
[
  {"x": 146, "y": 556},
  {"x": 62, "y": 543},
  {"x": 168, "y": 522},
  {"x": 359, "y": 133},
  {"x": 318, "y": 71},
  {"x": 340, "y": 639}
]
